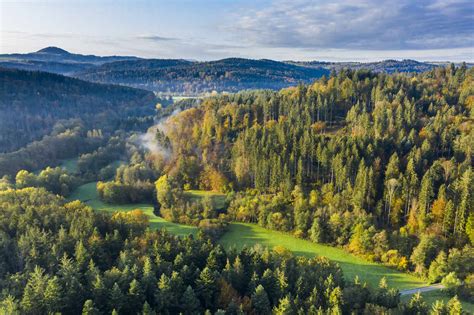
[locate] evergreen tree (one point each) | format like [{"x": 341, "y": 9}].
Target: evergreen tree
[
  {"x": 189, "y": 301},
  {"x": 260, "y": 301},
  {"x": 89, "y": 308}
]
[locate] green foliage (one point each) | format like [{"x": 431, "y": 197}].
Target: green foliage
[
  {"x": 451, "y": 282},
  {"x": 186, "y": 77},
  {"x": 56, "y": 180},
  {"x": 389, "y": 161},
  {"x": 74, "y": 260}
]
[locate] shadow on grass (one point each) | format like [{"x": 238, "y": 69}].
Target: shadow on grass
[{"x": 243, "y": 234}]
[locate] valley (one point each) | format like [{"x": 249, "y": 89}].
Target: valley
[
  {"x": 358, "y": 184},
  {"x": 241, "y": 235}
]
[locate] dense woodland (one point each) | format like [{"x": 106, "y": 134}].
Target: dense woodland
[
  {"x": 31, "y": 103},
  {"x": 380, "y": 165},
  {"x": 63, "y": 257},
  {"x": 194, "y": 78}
]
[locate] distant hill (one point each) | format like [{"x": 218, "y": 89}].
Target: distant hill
[
  {"x": 186, "y": 77},
  {"x": 31, "y": 103},
  {"x": 53, "y": 50},
  {"x": 56, "y": 60},
  {"x": 387, "y": 66}
]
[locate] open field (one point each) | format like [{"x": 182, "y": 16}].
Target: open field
[
  {"x": 246, "y": 234},
  {"x": 88, "y": 194}
]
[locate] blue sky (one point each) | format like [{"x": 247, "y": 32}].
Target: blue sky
[{"x": 339, "y": 30}]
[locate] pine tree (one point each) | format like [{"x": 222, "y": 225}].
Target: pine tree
[
  {"x": 89, "y": 308},
  {"x": 417, "y": 305},
  {"x": 439, "y": 308},
  {"x": 189, "y": 302},
  {"x": 147, "y": 310},
  {"x": 260, "y": 301},
  {"x": 470, "y": 227},
  {"x": 285, "y": 307},
  {"x": 52, "y": 295},
  {"x": 454, "y": 306},
  {"x": 135, "y": 296},
  {"x": 207, "y": 287},
  {"x": 116, "y": 298},
  {"x": 34, "y": 290},
  {"x": 467, "y": 201}
]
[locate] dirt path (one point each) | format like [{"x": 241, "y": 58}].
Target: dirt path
[{"x": 433, "y": 287}]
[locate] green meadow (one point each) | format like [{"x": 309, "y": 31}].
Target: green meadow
[
  {"x": 70, "y": 165},
  {"x": 240, "y": 235},
  {"x": 246, "y": 234},
  {"x": 88, "y": 194}
]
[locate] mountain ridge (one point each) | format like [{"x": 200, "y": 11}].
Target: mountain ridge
[{"x": 186, "y": 77}]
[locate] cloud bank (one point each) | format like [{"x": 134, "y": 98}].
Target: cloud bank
[{"x": 361, "y": 24}]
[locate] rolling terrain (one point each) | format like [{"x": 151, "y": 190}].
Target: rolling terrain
[
  {"x": 240, "y": 235},
  {"x": 55, "y": 60},
  {"x": 184, "y": 77}
]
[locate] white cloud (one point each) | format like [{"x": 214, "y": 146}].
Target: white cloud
[{"x": 361, "y": 24}]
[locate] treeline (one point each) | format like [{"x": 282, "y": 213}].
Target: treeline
[
  {"x": 63, "y": 257},
  {"x": 379, "y": 164},
  {"x": 31, "y": 103},
  {"x": 68, "y": 139},
  {"x": 56, "y": 180}
]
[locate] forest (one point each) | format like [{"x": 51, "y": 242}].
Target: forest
[
  {"x": 378, "y": 165},
  {"x": 194, "y": 78},
  {"x": 31, "y": 103}
]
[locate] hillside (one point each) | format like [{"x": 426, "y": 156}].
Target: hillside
[
  {"x": 184, "y": 77},
  {"x": 56, "y": 60},
  {"x": 32, "y": 102}
]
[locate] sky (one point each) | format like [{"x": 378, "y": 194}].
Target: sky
[{"x": 338, "y": 30}]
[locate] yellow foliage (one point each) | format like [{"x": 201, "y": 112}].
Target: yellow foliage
[
  {"x": 213, "y": 179},
  {"x": 135, "y": 216},
  {"x": 318, "y": 126},
  {"x": 282, "y": 251},
  {"x": 437, "y": 209}
]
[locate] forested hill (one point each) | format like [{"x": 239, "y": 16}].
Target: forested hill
[
  {"x": 56, "y": 60},
  {"x": 32, "y": 102},
  {"x": 184, "y": 77},
  {"x": 377, "y": 163}
]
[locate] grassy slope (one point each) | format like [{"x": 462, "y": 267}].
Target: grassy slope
[
  {"x": 88, "y": 194},
  {"x": 245, "y": 234}
]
